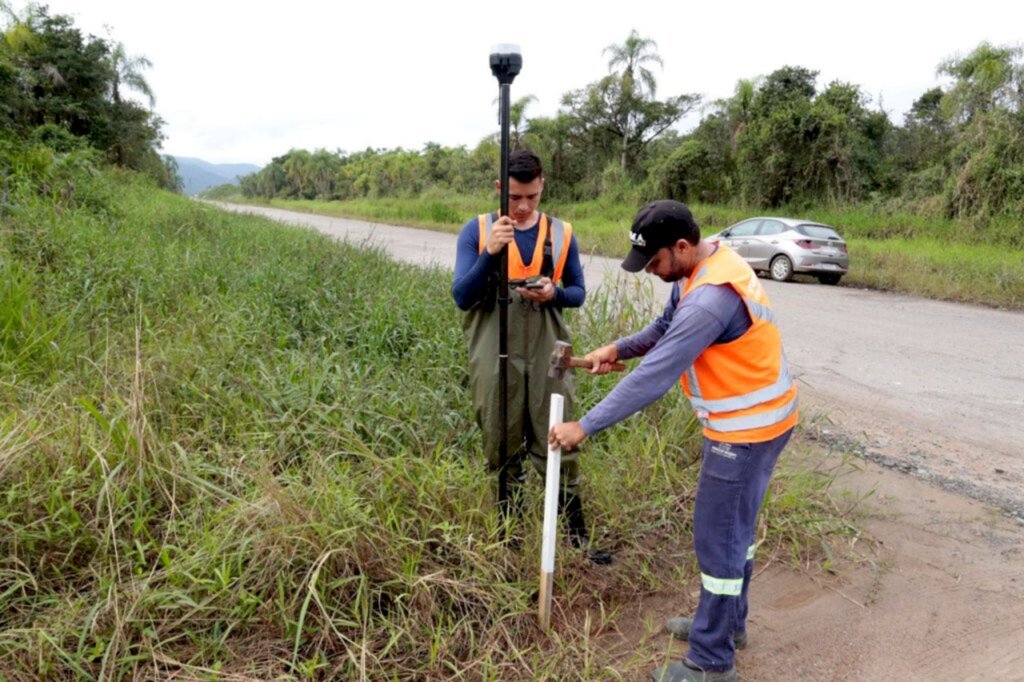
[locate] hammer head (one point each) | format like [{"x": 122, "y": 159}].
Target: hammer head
[{"x": 558, "y": 363}]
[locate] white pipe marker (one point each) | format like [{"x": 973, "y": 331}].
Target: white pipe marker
[{"x": 547, "y": 552}]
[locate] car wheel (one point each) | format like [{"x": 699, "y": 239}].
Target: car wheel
[
  {"x": 782, "y": 269},
  {"x": 829, "y": 279}
]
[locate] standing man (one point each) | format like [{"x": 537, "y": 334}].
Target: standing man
[
  {"x": 543, "y": 250},
  {"x": 718, "y": 337}
]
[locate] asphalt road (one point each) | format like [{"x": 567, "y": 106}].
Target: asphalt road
[{"x": 931, "y": 388}]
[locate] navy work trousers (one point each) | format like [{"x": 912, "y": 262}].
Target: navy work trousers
[{"x": 730, "y": 490}]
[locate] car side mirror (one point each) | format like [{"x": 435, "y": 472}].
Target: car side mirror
[{"x": 725, "y": 233}]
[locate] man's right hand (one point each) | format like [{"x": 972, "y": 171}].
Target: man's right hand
[
  {"x": 502, "y": 232},
  {"x": 601, "y": 359}
]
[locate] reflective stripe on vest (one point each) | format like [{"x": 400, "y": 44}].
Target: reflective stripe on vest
[
  {"x": 561, "y": 238},
  {"x": 739, "y": 393},
  {"x": 742, "y": 402},
  {"x": 728, "y": 587},
  {"x": 750, "y": 552},
  {"x": 754, "y": 421}
]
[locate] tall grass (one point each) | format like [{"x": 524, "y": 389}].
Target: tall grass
[{"x": 235, "y": 450}]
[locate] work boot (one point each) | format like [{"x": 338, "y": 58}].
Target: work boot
[
  {"x": 688, "y": 671},
  {"x": 596, "y": 556},
  {"x": 572, "y": 509},
  {"x": 679, "y": 627}
]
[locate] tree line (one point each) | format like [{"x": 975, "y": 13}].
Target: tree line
[
  {"x": 779, "y": 140},
  {"x": 64, "y": 103}
]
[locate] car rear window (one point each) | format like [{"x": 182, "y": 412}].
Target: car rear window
[{"x": 819, "y": 231}]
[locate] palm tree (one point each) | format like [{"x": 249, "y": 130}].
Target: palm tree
[
  {"x": 989, "y": 78},
  {"x": 323, "y": 166},
  {"x": 738, "y": 107},
  {"x": 297, "y": 170},
  {"x": 515, "y": 118},
  {"x": 632, "y": 55},
  {"x": 126, "y": 71}
]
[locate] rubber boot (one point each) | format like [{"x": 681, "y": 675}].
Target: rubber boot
[
  {"x": 679, "y": 627},
  {"x": 687, "y": 671},
  {"x": 571, "y": 509}
]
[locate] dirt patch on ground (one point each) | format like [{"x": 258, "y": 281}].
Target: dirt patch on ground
[
  {"x": 933, "y": 589},
  {"x": 920, "y": 447},
  {"x": 938, "y": 595}
]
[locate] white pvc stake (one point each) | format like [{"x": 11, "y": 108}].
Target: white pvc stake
[{"x": 547, "y": 551}]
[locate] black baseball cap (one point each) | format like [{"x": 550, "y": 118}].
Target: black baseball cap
[{"x": 657, "y": 225}]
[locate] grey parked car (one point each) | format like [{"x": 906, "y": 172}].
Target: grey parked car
[{"x": 785, "y": 246}]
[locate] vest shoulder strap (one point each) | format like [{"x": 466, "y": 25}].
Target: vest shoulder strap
[
  {"x": 485, "y": 221},
  {"x": 547, "y": 269}
]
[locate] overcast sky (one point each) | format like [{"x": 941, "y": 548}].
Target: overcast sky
[{"x": 247, "y": 81}]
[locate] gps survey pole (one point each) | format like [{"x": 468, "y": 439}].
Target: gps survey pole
[{"x": 506, "y": 61}]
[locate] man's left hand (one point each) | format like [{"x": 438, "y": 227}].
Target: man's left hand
[{"x": 566, "y": 435}]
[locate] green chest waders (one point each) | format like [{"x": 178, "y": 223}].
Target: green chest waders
[{"x": 532, "y": 332}]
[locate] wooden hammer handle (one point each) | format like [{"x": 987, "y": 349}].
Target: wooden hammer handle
[{"x": 580, "y": 362}]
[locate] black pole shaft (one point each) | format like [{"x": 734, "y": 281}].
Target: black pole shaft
[{"x": 503, "y": 301}]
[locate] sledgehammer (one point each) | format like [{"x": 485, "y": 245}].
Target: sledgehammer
[{"x": 561, "y": 360}]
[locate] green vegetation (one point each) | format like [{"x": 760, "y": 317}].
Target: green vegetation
[
  {"x": 67, "y": 91},
  {"x": 234, "y": 447},
  {"x": 230, "y": 448}
]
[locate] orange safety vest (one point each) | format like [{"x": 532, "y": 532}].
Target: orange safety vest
[
  {"x": 560, "y": 238},
  {"x": 741, "y": 391}
]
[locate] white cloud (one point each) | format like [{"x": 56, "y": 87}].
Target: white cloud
[{"x": 243, "y": 82}]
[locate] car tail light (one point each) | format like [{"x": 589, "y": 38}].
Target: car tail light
[
  {"x": 805, "y": 243},
  {"x": 841, "y": 247}
]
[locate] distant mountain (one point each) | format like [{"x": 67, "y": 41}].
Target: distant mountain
[{"x": 198, "y": 175}]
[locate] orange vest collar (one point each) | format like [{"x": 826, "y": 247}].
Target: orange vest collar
[{"x": 516, "y": 267}]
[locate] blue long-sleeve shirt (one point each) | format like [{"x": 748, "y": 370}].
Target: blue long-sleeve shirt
[
  {"x": 472, "y": 267},
  {"x": 710, "y": 314}
]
